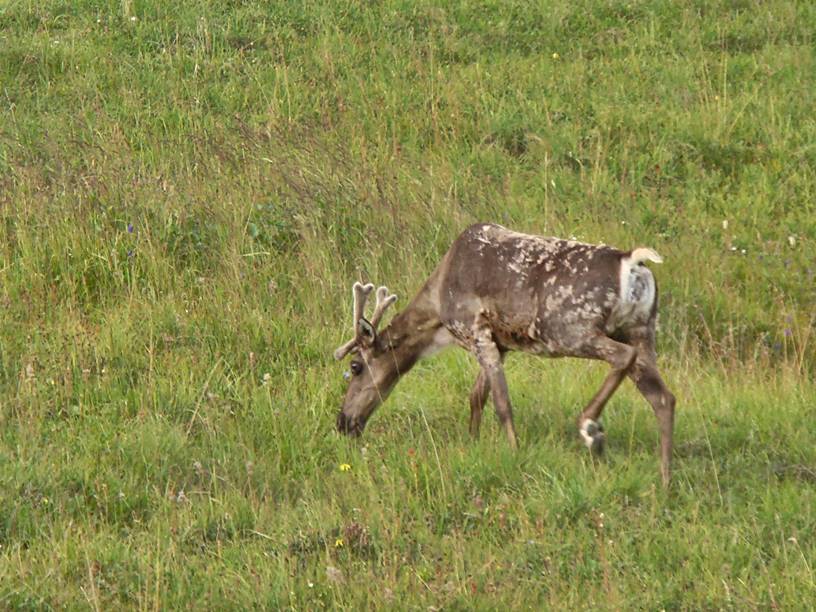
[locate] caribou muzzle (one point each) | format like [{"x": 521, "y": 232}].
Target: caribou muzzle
[{"x": 351, "y": 426}]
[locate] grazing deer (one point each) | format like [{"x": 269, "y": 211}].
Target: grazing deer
[{"x": 497, "y": 291}]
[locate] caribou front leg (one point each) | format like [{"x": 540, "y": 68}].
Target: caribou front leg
[
  {"x": 478, "y": 398},
  {"x": 490, "y": 358}
]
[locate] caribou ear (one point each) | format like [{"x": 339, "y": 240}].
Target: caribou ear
[{"x": 366, "y": 332}]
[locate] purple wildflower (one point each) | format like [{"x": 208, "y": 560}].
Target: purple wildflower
[{"x": 130, "y": 228}]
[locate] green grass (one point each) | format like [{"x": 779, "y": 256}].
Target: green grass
[{"x": 167, "y": 394}]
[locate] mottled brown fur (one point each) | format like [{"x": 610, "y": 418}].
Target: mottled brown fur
[{"x": 497, "y": 291}]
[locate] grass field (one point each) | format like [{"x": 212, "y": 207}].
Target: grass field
[{"x": 187, "y": 192}]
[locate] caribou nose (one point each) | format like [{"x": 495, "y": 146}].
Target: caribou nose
[
  {"x": 352, "y": 426},
  {"x": 342, "y": 423}
]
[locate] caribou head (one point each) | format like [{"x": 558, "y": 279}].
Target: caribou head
[{"x": 373, "y": 370}]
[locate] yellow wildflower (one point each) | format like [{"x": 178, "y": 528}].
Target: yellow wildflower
[
  {"x": 338, "y": 543},
  {"x": 345, "y": 467}
]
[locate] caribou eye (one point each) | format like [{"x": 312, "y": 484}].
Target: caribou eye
[{"x": 356, "y": 368}]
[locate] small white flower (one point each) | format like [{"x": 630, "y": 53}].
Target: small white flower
[
  {"x": 792, "y": 240},
  {"x": 133, "y": 18},
  {"x": 333, "y": 574},
  {"x": 725, "y": 224}
]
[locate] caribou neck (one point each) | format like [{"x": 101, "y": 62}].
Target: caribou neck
[{"x": 411, "y": 335}]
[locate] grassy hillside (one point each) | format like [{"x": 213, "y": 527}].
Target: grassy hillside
[{"x": 187, "y": 192}]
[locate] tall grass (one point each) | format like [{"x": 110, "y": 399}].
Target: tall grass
[{"x": 187, "y": 192}]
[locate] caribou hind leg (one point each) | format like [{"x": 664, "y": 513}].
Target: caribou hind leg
[
  {"x": 621, "y": 357},
  {"x": 646, "y": 377}
]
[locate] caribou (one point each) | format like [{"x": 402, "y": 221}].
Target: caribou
[{"x": 497, "y": 290}]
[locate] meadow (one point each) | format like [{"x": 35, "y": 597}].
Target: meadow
[{"x": 188, "y": 191}]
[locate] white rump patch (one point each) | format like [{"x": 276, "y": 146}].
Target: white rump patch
[{"x": 637, "y": 290}]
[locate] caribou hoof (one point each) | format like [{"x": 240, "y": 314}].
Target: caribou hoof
[{"x": 592, "y": 434}]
